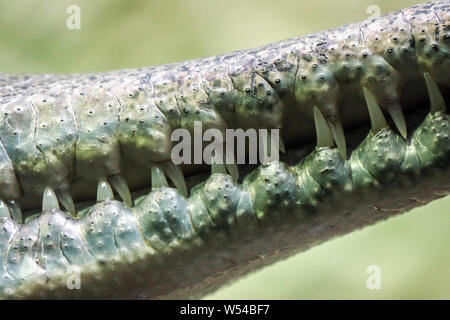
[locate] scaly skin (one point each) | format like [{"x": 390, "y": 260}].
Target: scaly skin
[{"x": 67, "y": 132}]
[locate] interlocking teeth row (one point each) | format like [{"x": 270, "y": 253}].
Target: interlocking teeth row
[
  {"x": 326, "y": 137},
  {"x": 166, "y": 219},
  {"x": 69, "y": 131}
]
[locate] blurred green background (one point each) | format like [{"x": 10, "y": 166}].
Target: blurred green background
[{"x": 411, "y": 250}]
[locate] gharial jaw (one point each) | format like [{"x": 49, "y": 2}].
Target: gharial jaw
[
  {"x": 68, "y": 131},
  {"x": 171, "y": 245}
]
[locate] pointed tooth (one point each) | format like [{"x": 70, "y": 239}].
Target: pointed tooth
[
  {"x": 119, "y": 184},
  {"x": 49, "y": 200},
  {"x": 176, "y": 175},
  {"x": 4, "y": 210},
  {"x": 337, "y": 130},
  {"x": 377, "y": 119},
  {"x": 104, "y": 190},
  {"x": 323, "y": 132},
  {"x": 15, "y": 211},
  {"x": 217, "y": 165},
  {"x": 65, "y": 198},
  {"x": 158, "y": 178},
  {"x": 437, "y": 102},
  {"x": 232, "y": 169},
  {"x": 399, "y": 119},
  {"x": 282, "y": 148}
]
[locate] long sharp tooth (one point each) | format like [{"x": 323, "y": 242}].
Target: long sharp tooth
[
  {"x": 337, "y": 130},
  {"x": 323, "y": 132},
  {"x": 217, "y": 165},
  {"x": 176, "y": 175},
  {"x": 377, "y": 119},
  {"x": 119, "y": 184},
  {"x": 4, "y": 211},
  {"x": 282, "y": 147},
  {"x": 104, "y": 190},
  {"x": 396, "y": 113},
  {"x": 15, "y": 210},
  {"x": 158, "y": 178},
  {"x": 66, "y": 200},
  {"x": 232, "y": 169},
  {"x": 437, "y": 102},
  {"x": 49, "y": 200}
]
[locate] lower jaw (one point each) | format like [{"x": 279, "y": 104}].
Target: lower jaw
[{"x": 192, "y": 273}]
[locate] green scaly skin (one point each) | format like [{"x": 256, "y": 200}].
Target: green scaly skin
[
  {"x": 171, "y": 246},
  {"x": 187, "y": 247}
]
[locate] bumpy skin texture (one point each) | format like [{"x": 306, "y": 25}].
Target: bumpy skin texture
[{"x": 66, "y": 132}]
